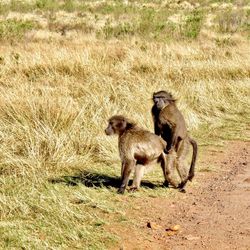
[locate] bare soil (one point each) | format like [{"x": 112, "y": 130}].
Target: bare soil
[{"x": 215, "y": 214}]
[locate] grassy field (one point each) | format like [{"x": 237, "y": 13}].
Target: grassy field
[{"x": 67, "y": 66}]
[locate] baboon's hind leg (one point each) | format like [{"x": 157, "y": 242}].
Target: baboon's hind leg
[
  {"x": 170, "y": 168},
  {"x": 139, "y": 172},
  {"x": 181, "y": 164}
]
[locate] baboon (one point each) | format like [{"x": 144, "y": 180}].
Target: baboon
[
  {"x": 138, "y": 149},
  {"x": 169, "y": 123}
]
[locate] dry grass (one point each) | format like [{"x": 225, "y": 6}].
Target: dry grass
[{"x": 57, "y": 92}]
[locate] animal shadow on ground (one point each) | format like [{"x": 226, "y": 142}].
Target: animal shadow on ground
[{"x": 95, "y": 180}]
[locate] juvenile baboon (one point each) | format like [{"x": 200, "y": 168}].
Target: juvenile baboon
[
  {"x": 138, "y": 149},
  {"x": 169, "y": 123}
]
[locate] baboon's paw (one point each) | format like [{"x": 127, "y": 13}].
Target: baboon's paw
[
  {"x": 121, "y": 190},
  {"x": 133, "y": 189}
]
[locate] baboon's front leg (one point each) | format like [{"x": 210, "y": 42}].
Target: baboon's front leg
[{"x": 127, "y": 167}]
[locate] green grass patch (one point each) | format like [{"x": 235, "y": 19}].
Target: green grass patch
[
  {"x": 44, "y": 5},
  {"x": 13, "y": 29},
  {"x": 47, "y": 215},
  {"x": 119, "y": 31},
  {"x": 193, "y": 24},
  {"x": 68, "y": 211},
  {"x": 17, "y": 6},
  {"x": 154, "y": 26},
  {"x": 47, "y": 4}
]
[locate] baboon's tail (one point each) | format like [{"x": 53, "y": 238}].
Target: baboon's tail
[{"x": 195, "y": 150}]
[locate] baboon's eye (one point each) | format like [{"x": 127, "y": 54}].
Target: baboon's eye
[{"x": 119, "y": 124}]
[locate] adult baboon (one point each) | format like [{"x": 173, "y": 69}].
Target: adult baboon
[
  {"x": 169, "y": 123},
  {"x": 138, "y": 150}
]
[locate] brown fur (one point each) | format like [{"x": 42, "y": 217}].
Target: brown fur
[
  {"x": 169, "y": 123},
  {"x": 138, "y": 150}
]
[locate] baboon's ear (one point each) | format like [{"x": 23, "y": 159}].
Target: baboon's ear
[{"x": 130, "y": 125}]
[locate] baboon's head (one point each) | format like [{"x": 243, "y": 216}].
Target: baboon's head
[
  {"x": 117, "y": 124},
  {"x": 162, "y": 98}
]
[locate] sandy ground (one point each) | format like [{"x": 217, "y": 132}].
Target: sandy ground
[{"x": 213, "y": 215}]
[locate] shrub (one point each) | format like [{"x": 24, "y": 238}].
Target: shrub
[
  {"x": 192, "y": 26},
  {"x": 231, "y": 21},
  {"x": 119, "y": 30},
  {"x": 47, "y": 4}
]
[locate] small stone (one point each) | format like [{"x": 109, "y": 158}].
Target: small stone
[
  {"x": 171, "y": 233},
  {"x": 172, "y": 230},
  {"x": 175, "y": 228},
  {"x": 137, "y": 208},
  {"x": 191, "y": 237}
]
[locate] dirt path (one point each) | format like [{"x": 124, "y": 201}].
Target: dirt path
[{"x": 215, "y": 215}]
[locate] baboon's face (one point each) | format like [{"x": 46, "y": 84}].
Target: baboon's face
[
  {"x": 116, "y": 125},
  {"x": 160, "y": 101}
]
